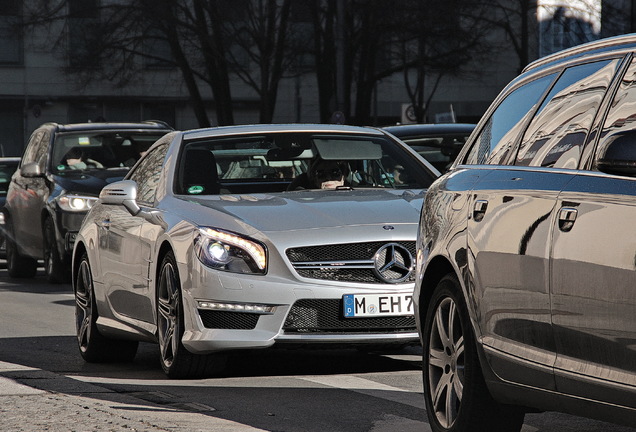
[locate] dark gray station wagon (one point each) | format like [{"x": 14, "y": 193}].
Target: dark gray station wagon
[{"x": 526, "y": 268}]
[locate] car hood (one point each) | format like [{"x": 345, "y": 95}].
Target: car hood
[
  {"x": 319, "y": 209},
  {"x": 89, "y": 182}
]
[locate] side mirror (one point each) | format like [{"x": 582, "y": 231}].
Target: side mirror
[
  {"x": 32, "y": 169},
  {"x": 617, "y": 154},
  {"x": 121, "y": 193},
  {"x": 124, "y": 193}
]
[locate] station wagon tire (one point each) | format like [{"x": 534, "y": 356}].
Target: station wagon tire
[
  {"x": 93, "y": 346},
  {"x": 176, "y": 360},
  {"x": 457, "y": 399},
  {"x": 54, "y": 267},
  {"x": 18, "y": 266}
]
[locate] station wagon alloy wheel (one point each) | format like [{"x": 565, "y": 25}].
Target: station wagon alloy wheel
[
  {"x": 456, "y": 395},
  {"x": 446, "y": 362}
]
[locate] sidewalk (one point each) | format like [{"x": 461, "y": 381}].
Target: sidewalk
[{"x": 55, "y": 403}]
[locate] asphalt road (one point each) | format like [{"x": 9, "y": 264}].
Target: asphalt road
[{"x": 45, "y": 385}]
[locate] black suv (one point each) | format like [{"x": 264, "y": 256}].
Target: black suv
[
  {"x": 526, "y": 262},
  {"x": 62, "y": 171}
]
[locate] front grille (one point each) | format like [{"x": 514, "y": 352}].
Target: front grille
[
  {"x": 325, "y": 316},
  {"x": 228, "y": 320},
  {"x": 349, "y": 262}
]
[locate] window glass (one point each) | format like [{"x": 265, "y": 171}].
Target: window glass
[
  {"x": 622, "y": 113},
  {"x": 37, "y": 149},
  {"x": 29, "y": 153},
  {"x": 495, "y": 140},
  {"x": 10, "y": 32},
  {"x": 557, "y": 133},
  {"x": 42, "y": 150},
  {"x": 280, "y": 161},
  {"x": 100, "y": 150},
  {"x": 83, "y": 31},
  {"x": 12, "y": 127},
  {"x": 148, "y": 173}
]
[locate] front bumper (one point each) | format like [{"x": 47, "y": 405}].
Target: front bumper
[
  {"x": 304, "y": 313},
  {"x": 68, "y": 225}
]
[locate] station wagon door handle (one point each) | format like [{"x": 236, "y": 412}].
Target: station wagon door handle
[
  {"x": 567, "y": 217},
  {"x": 479, "y": 210}
]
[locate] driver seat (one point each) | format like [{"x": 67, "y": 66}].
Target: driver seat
[{"x": 200, "y": 175}]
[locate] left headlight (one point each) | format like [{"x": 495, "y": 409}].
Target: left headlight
[
  {"x": 231, "y": 252},
  {"x": 76, "y": 203}
]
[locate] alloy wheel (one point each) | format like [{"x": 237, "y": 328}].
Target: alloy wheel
[
  {"x": 446, "y": 362},
  {"x": 84, "y": 305},
  {"x": 168, "y": 305}
]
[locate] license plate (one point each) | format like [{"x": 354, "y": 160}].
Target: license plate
[{"x": 370, "y": 305}]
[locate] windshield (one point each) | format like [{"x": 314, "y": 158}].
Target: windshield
[
  {"x": 294, "y": 161},
  {"x": 100, "y": 150}
]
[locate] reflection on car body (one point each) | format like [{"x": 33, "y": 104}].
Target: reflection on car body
[
  {"x": 203, "y": 248},
  {"x": 525, "y": 294}
]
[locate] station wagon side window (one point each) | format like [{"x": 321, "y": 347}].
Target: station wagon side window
[
  {"x": 557, "y": 133},
  {"x": 621, "y": 116},
  {"x": 498, "y": 135}
]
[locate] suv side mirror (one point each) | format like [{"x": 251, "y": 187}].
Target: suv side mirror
[
  {"x": 121, "y": 193},
  {"x": 32, "y": 169},
  {"x": 617, "y": 154}
]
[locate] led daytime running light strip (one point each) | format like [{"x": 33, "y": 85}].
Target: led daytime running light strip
[
  {"x": 255, "y": 250},
  {"x": 237, "y": 307}
]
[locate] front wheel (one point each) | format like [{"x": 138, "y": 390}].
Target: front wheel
[
  {"x": 93, "y": 346},
  {"x": 54, "y": 267},
  {"x": 18, "y": 266},
  {"x": 176, "y": 360},
  {"x": 457, "y": 399}
]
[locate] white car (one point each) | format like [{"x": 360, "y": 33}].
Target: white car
[{"x": 245, "y": 237}]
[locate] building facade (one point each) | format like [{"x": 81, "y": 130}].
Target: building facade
[{"x": 35, "y": 86}]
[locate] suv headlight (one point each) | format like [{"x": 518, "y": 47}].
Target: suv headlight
[
  {"x": 231, "y": 252},
  {"x": 76, "y": 203}
]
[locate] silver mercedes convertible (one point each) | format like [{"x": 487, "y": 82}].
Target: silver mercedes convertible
[{"x": 248, "y": 237}]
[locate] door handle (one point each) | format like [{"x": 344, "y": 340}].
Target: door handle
[
  {"x": 567, "y": 217},
  {"x": 479, "y": 210}
]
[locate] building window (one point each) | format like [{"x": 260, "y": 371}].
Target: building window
[
  {"x": 564, "y": 24},
  {"x": 84, "y": 31},
  {"x": 157, "y": 52},
  {"x": 11, "y": 32}
]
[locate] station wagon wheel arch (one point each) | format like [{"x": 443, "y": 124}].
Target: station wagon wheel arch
[{"x": 435, "y": 271}]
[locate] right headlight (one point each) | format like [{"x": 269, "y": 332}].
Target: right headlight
[{"x": 223, "y": 250}]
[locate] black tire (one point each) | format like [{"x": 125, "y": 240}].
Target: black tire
[
  {"x": 93, "y": 346},
  {"x": 457, "y": 399},
  {"x": 56, "y": 270},
  {"x": 176, "y": 360},
  {"x": 18, "y": 266}
]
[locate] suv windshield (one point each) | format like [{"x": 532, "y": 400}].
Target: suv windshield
[{"x": 99, "y": 150}]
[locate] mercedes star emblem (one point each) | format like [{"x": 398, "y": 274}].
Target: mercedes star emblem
[{"x": 393, "y": 263}]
